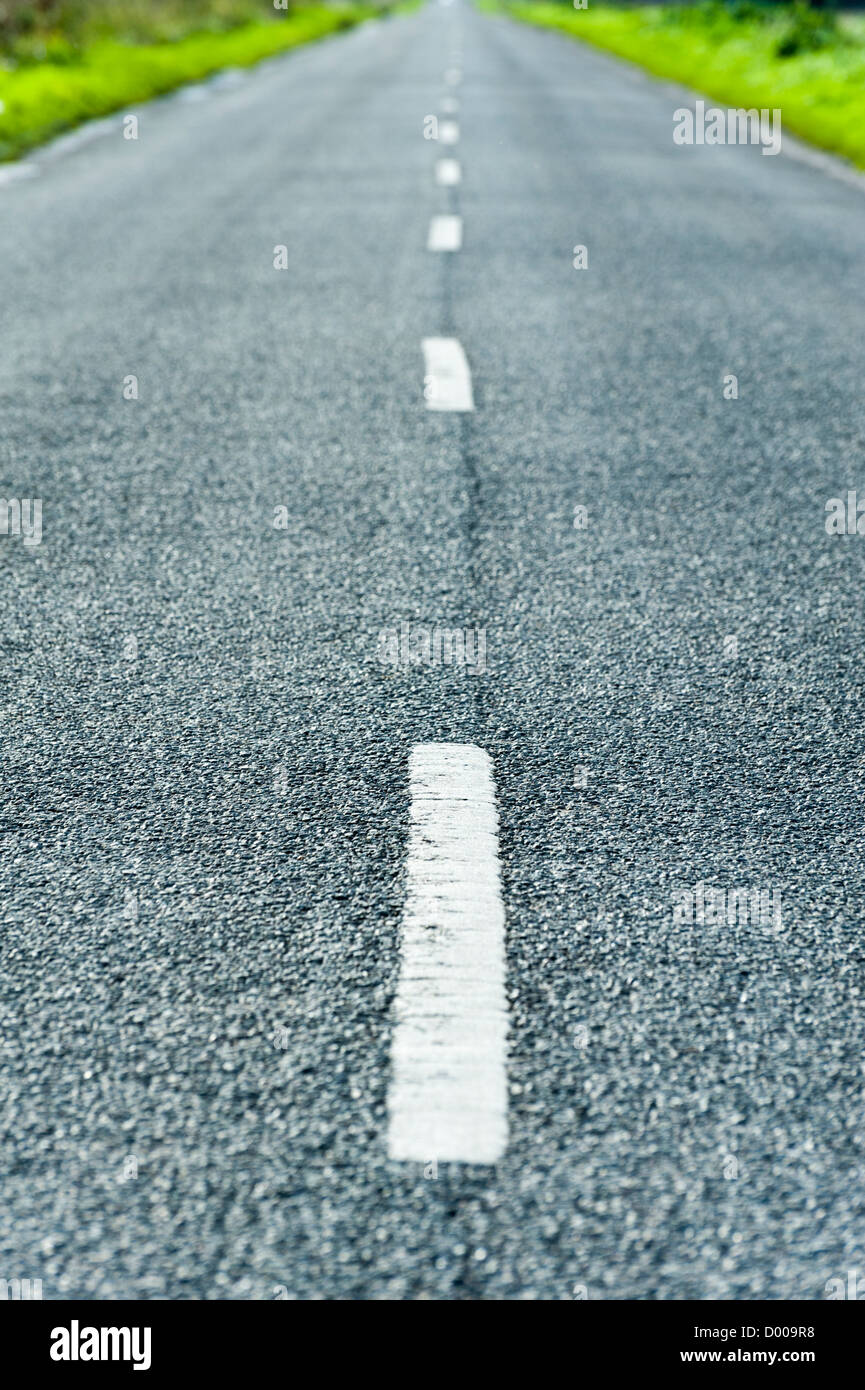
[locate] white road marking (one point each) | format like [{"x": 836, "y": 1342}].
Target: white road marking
[
  {"x": 195, "y": 92},
  {"x": 448, "y": 172},
  {"x": 12, "y": 173},
  {"x": 450, "y": 106},
  {"x": 448, "y": 1093},
  {"x": 449, "y": 132},
  {"x": 447, "y": 379},
  {"x": 445, "y": 233},
  {"x": 453, "y": 77},
  {"x": 836, "y": 166},
  {"x": 832, "y": 164},
  {"x": 59, "y": 147},
  {"x": 228, "y": 79},
  {"x": 83, "y": 135}
]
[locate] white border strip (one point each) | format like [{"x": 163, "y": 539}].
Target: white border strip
[
  {"x": 793, "y": 146},
  {"x": 448, "y": 1093},
  {"x": 14, "y": 173}
]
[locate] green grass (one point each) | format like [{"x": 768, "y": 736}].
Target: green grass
[
  {"x": 91, "y": 77},
  {"x": 733, "y": 57}
]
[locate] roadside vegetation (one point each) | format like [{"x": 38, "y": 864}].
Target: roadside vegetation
[
  {"x": 809, "y": 62},
  {"x": 67, "y": 61}
]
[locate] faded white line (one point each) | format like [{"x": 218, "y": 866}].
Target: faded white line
[
  {"x": 450, "y": 106},
  {"x": 448, "y": 1093},
  {"x": 448, "y": 172},
  {"x": 833, "y": 165},
  {"x": 228, "y": 79},
  {"x": 82, "y": 136},
  {"x": 453, "y": 77},
  {"x": 447, "y": 379},
  {"x": 14, "y": 173},
  {"x": 195, "y": 92},
  {"x": 445, "y": 233},
  {"x": 449, "y": 132}
]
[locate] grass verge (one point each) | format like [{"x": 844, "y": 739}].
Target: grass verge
[
  {"x": 41, "y": 99},
  {"x": 745, "y": 55}
]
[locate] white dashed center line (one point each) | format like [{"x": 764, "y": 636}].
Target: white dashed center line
[
  {"x": 445, "y": 233},
  {"x": 449, "y": 132},
  {"x": 448, "y": 1092},
  {"x": 448, "y": 172},
  {"x": 447, "y": 379}
]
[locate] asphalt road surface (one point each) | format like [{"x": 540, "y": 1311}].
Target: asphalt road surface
[{"x": 207, "y": 760}]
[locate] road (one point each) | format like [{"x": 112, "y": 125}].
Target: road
[{"x": 207, "y": 792}]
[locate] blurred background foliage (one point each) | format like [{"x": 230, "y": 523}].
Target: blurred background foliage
[
  {"x": 809, "y": 25},
  {"x": 56, "y": 31},
  {"x": 41, "y": 31}
]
